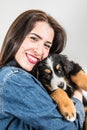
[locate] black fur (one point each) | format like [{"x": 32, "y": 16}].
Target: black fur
[{"x": 66, "y": 69}]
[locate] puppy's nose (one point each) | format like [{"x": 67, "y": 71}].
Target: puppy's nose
[{"x": 61, "y": 85}]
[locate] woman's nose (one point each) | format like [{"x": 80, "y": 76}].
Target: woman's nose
[{"x": 39, "y": 49}]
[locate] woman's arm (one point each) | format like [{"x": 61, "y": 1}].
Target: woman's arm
[
  {"x": 78, "y": 94},
  {"x": 25, "y": 98}
]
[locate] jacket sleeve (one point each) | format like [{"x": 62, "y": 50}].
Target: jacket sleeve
[{"x": 25, "y": 98}]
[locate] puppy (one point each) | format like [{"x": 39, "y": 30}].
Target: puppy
[{"x": 61, "y": 78}]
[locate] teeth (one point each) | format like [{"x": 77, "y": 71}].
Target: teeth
[{"x": 32, "y": 58}]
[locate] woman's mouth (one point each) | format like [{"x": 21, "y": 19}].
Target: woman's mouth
[{"x": 32, "y": 59}]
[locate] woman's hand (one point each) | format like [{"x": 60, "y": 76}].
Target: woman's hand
[{"x": 78, "y": 94}]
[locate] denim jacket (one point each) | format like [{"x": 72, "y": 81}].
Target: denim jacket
[{"x": 25, "y": 104}]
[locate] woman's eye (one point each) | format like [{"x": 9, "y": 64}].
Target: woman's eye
[
  {"x": 33, "y": 38},
  {"x": 47, "y": 46}
]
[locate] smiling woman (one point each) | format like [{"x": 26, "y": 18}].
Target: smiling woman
[
  {"x": 36, "y": 46},
  {"x": 24, "y": 103}
]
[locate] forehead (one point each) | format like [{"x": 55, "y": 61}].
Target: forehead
[{"x": 43, "y": 29}]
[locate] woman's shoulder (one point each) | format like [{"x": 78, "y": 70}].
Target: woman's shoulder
[
  {"x": 13, "y": 73},
  {"x": 18, "y": 75},
  {"x": 10, "y": 70}
]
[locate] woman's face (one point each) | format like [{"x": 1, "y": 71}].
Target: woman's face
[{"x": 36, "y": 46}]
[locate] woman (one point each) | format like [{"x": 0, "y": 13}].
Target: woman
[{"x": 24, "y": 103}]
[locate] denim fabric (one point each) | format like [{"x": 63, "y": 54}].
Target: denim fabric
[
  {"x": 25, "y": 104},
  {"x": 80, "y": 112}
]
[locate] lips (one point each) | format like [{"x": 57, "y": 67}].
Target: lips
[{"x": 32, "y": 59}]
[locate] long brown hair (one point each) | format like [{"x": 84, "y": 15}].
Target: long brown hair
[{"x": 23, "y": 24}]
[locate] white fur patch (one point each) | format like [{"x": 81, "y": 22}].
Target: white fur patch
[{"x": 55, "y": 81}]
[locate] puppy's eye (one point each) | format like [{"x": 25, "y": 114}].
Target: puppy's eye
[{"x": 59, "y": 71}]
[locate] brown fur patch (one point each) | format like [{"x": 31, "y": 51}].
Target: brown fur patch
[
  {"x": 47, "y": 71},
  {"x": 57, "y": 66},
  {"x": 80, "y": 79},
  {"x": 64, "y": 103},
  {"x": 85, "y": 124},
  {"x": 48, "y": 87}
]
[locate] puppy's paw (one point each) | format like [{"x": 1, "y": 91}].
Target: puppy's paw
[
  {"x": 65, "y": 104},
  {"x": 68, "y": 110},
  {"x": 80, "y": 79}
]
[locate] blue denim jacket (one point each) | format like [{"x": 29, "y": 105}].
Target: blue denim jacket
[{"x": 25, "y": 104}]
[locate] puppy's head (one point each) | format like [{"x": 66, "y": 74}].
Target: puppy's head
[{"x": 53, "y": 71}]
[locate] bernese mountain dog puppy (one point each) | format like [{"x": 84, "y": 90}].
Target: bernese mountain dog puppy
[{"x": 61, "y": 78}]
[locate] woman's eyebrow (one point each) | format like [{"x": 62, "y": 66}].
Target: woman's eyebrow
[{"x": 40, "y": 37}]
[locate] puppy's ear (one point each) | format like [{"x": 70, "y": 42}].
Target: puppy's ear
[
  {"x": 76, "y": 68},
  {"x": 78, "y": 76},
  {"x": 67, "y": 65}
]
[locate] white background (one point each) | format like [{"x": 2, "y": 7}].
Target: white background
[{"x": 71, "y": 14}]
